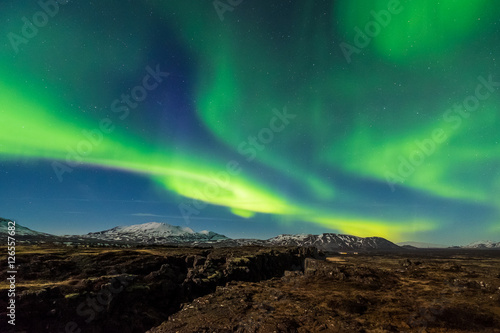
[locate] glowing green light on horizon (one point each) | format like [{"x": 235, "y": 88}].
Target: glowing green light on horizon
[{"x": 368, "y": 228}]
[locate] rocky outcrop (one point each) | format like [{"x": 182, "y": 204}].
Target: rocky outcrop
[
  {"x": 354, "y": 294},
  {"x": 364, "y": 276},
  {"x": 134, "y": 290}
]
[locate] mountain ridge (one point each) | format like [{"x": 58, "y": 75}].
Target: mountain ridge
[
  {"x": 165, "y": 234},
  {"x": 154, "y": 233},
  {"x": 333, "y": 242},
  {"x": 159, "y": 233},
  {"x": 482, "y": 245},
  {"x": 20, "y": 230}
]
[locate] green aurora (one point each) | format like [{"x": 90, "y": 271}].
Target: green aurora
[{"x": 404, "y": 102}]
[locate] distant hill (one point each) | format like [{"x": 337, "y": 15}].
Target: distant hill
[
  {"x": 422, "y": 245},
  {"x": 483, "y": 245},
  {"x": 20, "y": 230}
]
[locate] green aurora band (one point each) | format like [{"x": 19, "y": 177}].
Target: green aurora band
[{"x": 358, "y": 119}]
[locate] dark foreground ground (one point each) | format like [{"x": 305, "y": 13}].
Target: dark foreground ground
[{"x": 252, "y": 289}]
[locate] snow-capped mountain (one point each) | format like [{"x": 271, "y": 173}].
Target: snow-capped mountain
[
  {"x": 155, "y": 233},
  {"x": 483, "y": 245},
  {"x": 163, "y": 233},
  {"x": 20, "y": 230},
  {"x": 334, "y": 242}
]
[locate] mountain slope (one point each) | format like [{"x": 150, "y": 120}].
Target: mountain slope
[
  {"x": 334, "y": 242},
  {"x": 20, "y": 230},
  {"x": 155, "y": 233},
  {"x": 163, "y": 233},
  {"x": 483, "y": 245}
]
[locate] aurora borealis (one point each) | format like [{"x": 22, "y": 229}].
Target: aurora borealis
[{"x": 121, "y": 112}]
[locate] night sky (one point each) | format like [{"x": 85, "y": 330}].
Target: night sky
[{"x": 253, "y": 118}]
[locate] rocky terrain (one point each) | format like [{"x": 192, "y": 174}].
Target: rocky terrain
[
  {"x": 205, "y": 282},
  {"x": 426, "y": 292},
  {"x": 253, "y": 289},
  {"x": 64, "y": 289}
]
